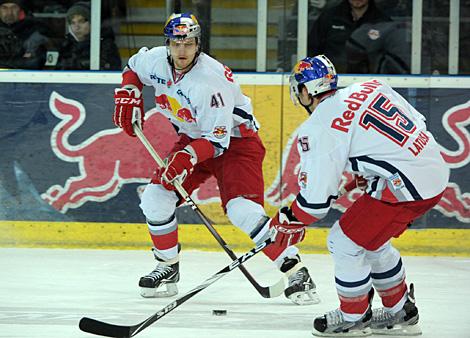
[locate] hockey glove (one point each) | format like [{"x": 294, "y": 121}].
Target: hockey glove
[
  {"x": 361, "y": 182},
  {"x": 157, "y": 179},
  {"x": 288, "y": 230},
  {"x": 357, "y": 182},
  {"x": 181, "y": 164},
  {"x": 129, "y": 107}
]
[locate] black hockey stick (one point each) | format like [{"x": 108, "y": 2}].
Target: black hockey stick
[
  {"x": 265, "y": 291},
  {"x": 121, "y": 331}
]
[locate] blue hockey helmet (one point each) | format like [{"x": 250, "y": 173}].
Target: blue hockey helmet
[
  {"x": 317, "y": 73},
  {"x": 182, "y": 26}
]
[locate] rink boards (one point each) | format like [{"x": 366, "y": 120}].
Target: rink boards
[
  {"x": 131, "y": 236},
  {"x": 43, "y": 204}
]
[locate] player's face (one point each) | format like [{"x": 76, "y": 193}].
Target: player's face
[
  {"x": 183, "y": 52},
  {"x": 306, "y": 100},
  {"x": 9, "y": 13},
  {"x": 80, "y": 27},
  {"x": 303, "y": 97}
]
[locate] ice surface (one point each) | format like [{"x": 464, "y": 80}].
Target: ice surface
[{"x": 45, "y": 292}]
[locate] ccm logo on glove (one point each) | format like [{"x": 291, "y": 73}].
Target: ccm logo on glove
[
  {"x": 128, "y": 110},
  {"x": 288, "y": 230}
]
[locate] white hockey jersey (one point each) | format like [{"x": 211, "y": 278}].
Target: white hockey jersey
[
  {"x": 370, "y": 130},
  {"x": 205, "y": 103}
]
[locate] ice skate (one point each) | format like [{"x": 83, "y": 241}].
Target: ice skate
[
  {"x": 301, "y": 289},
  {"x": 333, "y": 324},
  {"x": 161, "y": 282},
  {"x": 402, "y": 323}
]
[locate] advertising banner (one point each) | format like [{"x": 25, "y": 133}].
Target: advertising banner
[{"x": 62, "y": 158}]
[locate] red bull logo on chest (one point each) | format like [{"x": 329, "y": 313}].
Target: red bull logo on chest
[{"x": 172, "y": 105}]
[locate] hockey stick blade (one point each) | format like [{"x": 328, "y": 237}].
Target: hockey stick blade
[
  {"x": 100, "y": 328},
  {"x": 265, "y": 291},
  {"x": 104, "y": 329}
]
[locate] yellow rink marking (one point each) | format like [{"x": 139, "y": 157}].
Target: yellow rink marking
[{"x": 33, "y": 234}]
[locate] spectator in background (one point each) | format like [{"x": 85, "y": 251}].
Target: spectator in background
[
  {"x": 464, "y": 36},
  {"x": 49, "y": 6},
  {"x": 22, "y": 45},
  {"x": 75, "y": 50},
  {"x": 379, "y": 48},
  {"x": 335, "y": 25},
  {"x": 287, "y": 42}
]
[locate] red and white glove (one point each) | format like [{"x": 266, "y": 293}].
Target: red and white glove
[
  {"x": 181, "y": 164},
  {"x": 157, "y": 179},
  {"x": 129, "y": 108},
  {"x": 357, "y": 182},
  {"x": 288, "y": 230},
  {"x": 361, "y": 182}
]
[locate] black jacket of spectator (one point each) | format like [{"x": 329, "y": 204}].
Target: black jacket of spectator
[
  {"x": 379, "y": 48},
  {"x": 76, "y": 55},
  {"x": 334, "y": 27},
  {"x": 22, "y": 45}
]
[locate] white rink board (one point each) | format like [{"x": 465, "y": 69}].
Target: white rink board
[
  {"x": 45, "y": 292},
  {"x": 98, "y": 77}
]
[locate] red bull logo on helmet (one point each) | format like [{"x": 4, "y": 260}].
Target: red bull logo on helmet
[
  {"x": 301, "y": 66},
  {"x": 180, "y": 30}
]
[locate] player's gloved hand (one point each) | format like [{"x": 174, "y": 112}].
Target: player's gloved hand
[
  {"x": 157, "y": 179},
  {"x": 287, "y": 229},
  {"x": 180, "y": 165},
  {"x": 357, "y": 182},
  {"x": 361, "y": 182},
  {"x": 129, "y": 107}
]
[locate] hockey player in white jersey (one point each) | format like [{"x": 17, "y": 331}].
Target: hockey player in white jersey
[
  {"x": 367, "y": 129},
  {"x": 218, "y": 137}
]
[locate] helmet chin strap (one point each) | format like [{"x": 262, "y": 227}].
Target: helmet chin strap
[{"x": 307, "y": 106}]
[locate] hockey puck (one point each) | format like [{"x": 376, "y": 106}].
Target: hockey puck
[{"x": 219, "y": 312}]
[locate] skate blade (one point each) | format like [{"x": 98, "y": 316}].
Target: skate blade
[
  {"x": 305, "y": 298},
  {"x": 400, "y": 330},
  {"x": 353, "y": 333},
  {"x": 171, "y": 290}
]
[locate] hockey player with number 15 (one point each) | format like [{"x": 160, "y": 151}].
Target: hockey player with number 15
[
  {"x": 218, "y": 137},
  {"x": 369, "y": 130}
]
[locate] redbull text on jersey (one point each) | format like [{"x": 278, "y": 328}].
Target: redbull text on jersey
[{"x": 344, "y": 122}]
